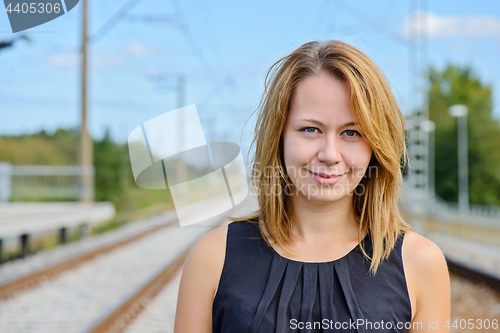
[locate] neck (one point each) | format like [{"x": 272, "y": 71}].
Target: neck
[{"x": 319, "y": 223}]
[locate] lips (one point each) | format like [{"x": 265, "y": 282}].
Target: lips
[
  {"x": 325, "y": 179},
  {"x": 325, "y": 175}
]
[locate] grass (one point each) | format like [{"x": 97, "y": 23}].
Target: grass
[{"x": 136, "y": 204}]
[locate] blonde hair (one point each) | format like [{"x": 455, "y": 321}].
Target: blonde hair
[{"x": 379, "y": 119}]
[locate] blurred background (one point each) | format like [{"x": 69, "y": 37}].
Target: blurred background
[{"x": 75, "y": 229}]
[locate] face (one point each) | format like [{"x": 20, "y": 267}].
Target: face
[{"x": 325, "y": 153}]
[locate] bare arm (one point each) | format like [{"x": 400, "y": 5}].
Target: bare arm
[
  {"x": 428, "y": 284},
  {"x": 199, "y": 282}
]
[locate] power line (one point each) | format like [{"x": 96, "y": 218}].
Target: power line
[
  {"x": 212, "y": 35},
  {"x": 216, "y": 91},
  {"x": 198, "y": 51},
  {"x": 376, "y": 26},
  {"x": 176, "y": 21},
  {"x": 113, "y": 21}
]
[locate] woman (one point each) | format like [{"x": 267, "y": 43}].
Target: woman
[{"x": 325, "y": 252}]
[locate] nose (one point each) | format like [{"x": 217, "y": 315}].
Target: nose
[{"x": 329, "y": 152}]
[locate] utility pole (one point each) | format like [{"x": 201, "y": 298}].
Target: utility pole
[{"x": 86, "y": 147}]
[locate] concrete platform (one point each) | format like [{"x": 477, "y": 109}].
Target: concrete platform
[
  {"x": 30, "y": 218},
  {"x": 23, "y": 220}
]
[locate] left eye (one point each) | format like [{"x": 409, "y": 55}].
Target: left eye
[{"x": 351, "y": 133}]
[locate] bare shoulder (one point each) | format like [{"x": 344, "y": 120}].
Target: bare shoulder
[
  {"x": 209, "y": 251},
  {"x": 427, "y": 279},
  {"x": 214, "y": 240},
  {"x": 423, "y": 261},
  {"x": 199, "y": 282},
  {"x": 421, "y": 253}
]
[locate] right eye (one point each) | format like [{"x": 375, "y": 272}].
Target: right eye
[{"x": 309, "y": 129}]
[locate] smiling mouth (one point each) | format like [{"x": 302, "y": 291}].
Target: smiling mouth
[
  {"x": 325, "y": 179},
  {"x": 325, "y": 175}
]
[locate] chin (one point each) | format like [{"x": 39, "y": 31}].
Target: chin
[
  {"x": 328, "y": 199},
  {"x": 326, "y": 195}
]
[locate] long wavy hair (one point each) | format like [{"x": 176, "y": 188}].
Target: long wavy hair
[{"x": 380, "y": 120}]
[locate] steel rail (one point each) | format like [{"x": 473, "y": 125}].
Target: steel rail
[
  {"x": 473, "y": 274},
  {"x": 30, "y": 281}
]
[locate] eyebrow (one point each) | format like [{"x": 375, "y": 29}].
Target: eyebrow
[{"x": 317, "y": 122}]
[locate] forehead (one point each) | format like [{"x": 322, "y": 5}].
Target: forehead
[{"x": 322, "y": 97}]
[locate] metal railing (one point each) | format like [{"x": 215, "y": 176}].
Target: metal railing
[
  {"x": 42, "y": 182},
  {"x": 434, "y": 206}
]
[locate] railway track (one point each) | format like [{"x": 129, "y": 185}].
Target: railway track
[
  {"x": 474, "y": 274},
  {"x": 102, "y": 290},
  {"x": 120, "y": 316},
  {"x": 32, "y": 280}
]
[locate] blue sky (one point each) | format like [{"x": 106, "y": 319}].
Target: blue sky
[{"x": 223, "y": 48}]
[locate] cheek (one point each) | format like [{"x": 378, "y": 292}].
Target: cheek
[
  {"x": 295, "y": 156},
  {"x": 359, "y": 159},
  {"x": 290, "y": 159},
  {"x": 292, "y": 150},
  {"x": 367, "y": 155}
]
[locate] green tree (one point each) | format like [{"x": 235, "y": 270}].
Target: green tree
[
  {"x": 460, "y": 85},
  {"x": 40, "y": 148},
  {"x": 114, "y": 180},
  {"x": 109, "y": 169}
]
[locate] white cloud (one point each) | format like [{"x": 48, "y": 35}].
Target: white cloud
[
  {"x": 96, "y": 61},
  {"x": 65, "y": 60},
  {"x": 136, "y": 49},
  {"x": 434, "y": 26},
  {"x": 100, "y": 60}
]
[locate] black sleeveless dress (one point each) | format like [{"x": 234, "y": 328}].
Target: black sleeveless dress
[{"x": 261, "y": 291}]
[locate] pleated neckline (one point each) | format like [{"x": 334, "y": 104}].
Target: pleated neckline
[
  {"x": 365, "y": 239},
  {"x": 324, "y": 288}
]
